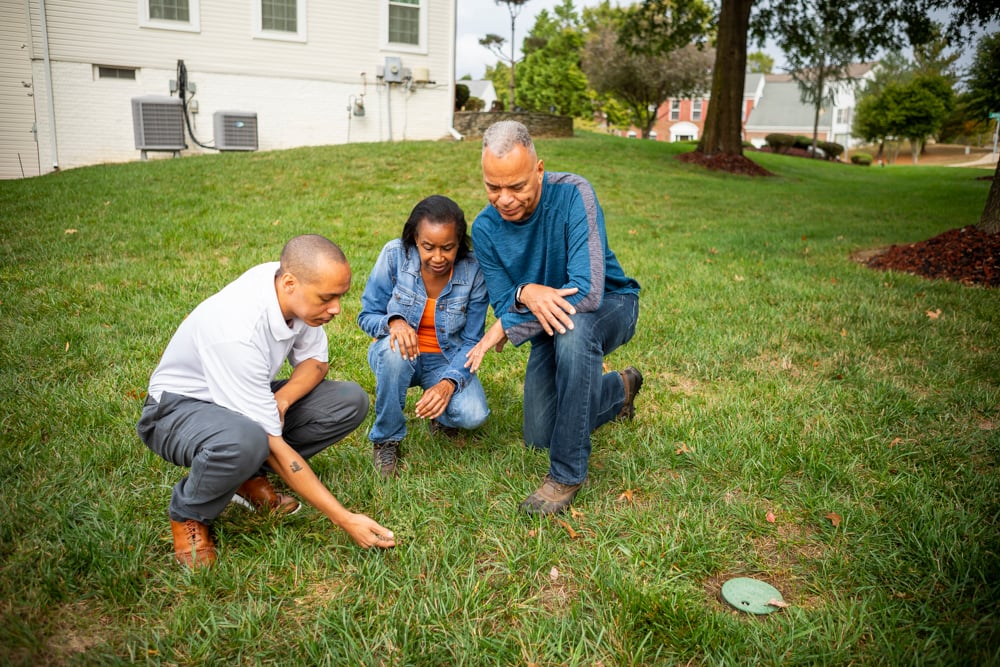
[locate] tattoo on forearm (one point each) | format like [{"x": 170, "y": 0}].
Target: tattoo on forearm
[{"x": 295, "y": 467}]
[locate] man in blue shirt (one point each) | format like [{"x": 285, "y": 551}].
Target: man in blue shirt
[{"x": 553, "y": 280}]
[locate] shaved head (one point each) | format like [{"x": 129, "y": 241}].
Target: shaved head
[{"x": 306, "y": 256}]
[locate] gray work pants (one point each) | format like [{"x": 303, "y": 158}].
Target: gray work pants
[{"x": 223, "y": 448}]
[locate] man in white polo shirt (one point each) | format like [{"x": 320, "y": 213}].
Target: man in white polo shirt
[{"x": 215, "y": 407}]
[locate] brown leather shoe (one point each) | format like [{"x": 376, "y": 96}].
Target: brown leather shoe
[
  {"x": 193, "y": 544},
  {"x": 257, "y": 494}
]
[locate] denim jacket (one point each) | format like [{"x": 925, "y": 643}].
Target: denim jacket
[{"x": 395, "y": 288}]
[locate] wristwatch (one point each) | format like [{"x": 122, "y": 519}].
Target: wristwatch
[{"x": 517, "y": 295}]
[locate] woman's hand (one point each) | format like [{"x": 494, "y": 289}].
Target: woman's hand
[
  {"x": 435, "y": 400},
  {"x": 403, "y": 338}
]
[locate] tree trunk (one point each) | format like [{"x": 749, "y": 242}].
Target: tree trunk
[
  {"x": 723, "y": 131},
  {"x": 990, "y": 220}
]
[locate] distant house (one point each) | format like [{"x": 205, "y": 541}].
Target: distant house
[
  {"x": 283, "y": 73},
  {"x": 780, "y": 109},
  {"x": 771, "y": 103},
  {"x": 484, "y": 90}
]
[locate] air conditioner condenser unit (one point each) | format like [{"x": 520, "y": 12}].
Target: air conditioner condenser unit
[
  {"x": 235, "y": 130},
  {"x": 158, "y": 123}
]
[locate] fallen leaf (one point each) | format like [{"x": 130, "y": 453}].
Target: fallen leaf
[
  {"x": 738, "y": 278},
  {"x": 569, "y": 531},
  {"x": 895, "y": 441},
  {"x": 532, "y": 532},
  {"x": 67, "y": 346},
  {"x": 70, "y": 231},
  {"x": 987, "y": 425},
  {"x": 775, "y": 602},
  {"x": 843, "y": 333},
  {"x": 554, "y": 573},
  {"x": 276, "y": 222},
  {"x": 713, "y": 251},
  {"x": 632, "y": 232},
  {"x": 934, "y": 314},
  {"x": 626, "y": 496},
  {"x": 771, "y": 518},
  {"x": 834, "y": 518},
  {"x": 575, "y": 513},
  {"x": 683, "y": 449}
]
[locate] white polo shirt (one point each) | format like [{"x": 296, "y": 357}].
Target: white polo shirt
[{"x": 232, "y": 346}]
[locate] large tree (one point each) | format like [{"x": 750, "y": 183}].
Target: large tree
[
  {"x": 723, "y": 131},
  {"x": 644, "y": 82},
  {"x": 984, "y": 98},
  {"x": 643, "y": 57},
  {"x": 550, "y": 77}
]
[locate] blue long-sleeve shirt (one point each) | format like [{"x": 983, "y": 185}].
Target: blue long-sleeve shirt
[{"x": 562, "y": 244}]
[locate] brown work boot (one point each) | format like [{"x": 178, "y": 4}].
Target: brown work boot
[
  {"x": 257, "y": 493},
  {"x": 550, "y": 498},
  {"x": 386, "y": 456},
  {"x": 632, "y": 379},
  {"x": 193, "y": 543}
]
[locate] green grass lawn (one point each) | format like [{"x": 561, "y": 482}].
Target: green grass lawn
[{"x": 784, "y": 381}]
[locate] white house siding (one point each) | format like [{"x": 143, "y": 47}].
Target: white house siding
[
  {"x": 18, "y": 150},
  {"x": 300, "y": 91}
]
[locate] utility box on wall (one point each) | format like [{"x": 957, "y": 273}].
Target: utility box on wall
[{"x": 235, "y": 130}]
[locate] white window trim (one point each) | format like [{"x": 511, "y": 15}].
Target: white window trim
[
  {"x": 675, "y": 109},
  {"x": 279, "y": 35},
  {"x": 421, "y": 47},
  {"x": 193, "y": 24},
  {"x": 697, "y": 107}
]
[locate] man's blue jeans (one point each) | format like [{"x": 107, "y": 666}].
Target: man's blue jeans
[
  {"x": 394, "y": 375},
  {"x": 567, "y": 395}
]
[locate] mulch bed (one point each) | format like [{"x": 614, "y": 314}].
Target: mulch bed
[
  {"x": 733, "y": 164},
  {"x": 966, "y": 255}
]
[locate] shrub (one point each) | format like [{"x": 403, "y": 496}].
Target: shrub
[
  {"x": 830, "y": 149},
  {"x": 779, "y": 143},
  {"x": 474, "y": 104},
  {"x": 863, "y": 159},
  {"x": 803, "y": 142}
]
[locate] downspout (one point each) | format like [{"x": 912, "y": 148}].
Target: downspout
[
  {"x": 51, "y": 95},
  {"x": 454, "y": 68}
]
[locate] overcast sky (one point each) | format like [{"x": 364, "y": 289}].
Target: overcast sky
[{"x": 478, "y": 18}]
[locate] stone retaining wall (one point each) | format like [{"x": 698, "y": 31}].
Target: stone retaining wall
[{"x": 472, "y": 124}]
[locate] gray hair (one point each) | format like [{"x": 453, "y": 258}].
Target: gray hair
[
  {"x": 305, "y": 256},
  {"x": 501, "y": 137}
]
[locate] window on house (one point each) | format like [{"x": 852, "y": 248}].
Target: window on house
[
  {"x": 169, "y": 14},
  {"x": 675, "y": 109},
  {"x": 843, "y": 116},
  {"x": 169, "y": 10},
  {"x": 280, "y": 19},
  {"x": 105, "y": 72},
  {"x": 406, "y": 22},
  {"x": 696, "y": 110}
]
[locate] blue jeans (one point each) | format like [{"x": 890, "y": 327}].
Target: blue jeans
[
  {"x": 223, "y": 448},
  {"x": 394, "y": 375},
  {"x": 567, "y": 395}
]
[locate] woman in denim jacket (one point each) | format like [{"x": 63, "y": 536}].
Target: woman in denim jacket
[{"x": 425, "y": 307}]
